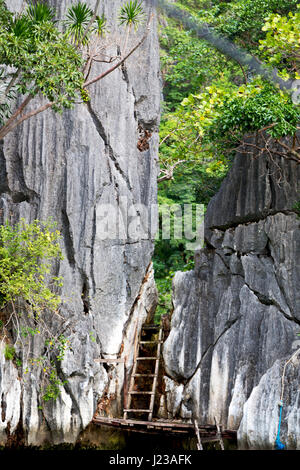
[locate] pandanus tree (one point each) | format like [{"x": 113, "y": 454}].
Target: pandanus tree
[{"x": 54, "y": 59}]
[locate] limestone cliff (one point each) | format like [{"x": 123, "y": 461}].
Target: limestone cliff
[
  {"x": 65, "y": 167},
  {"x": 236, "y": 315}
]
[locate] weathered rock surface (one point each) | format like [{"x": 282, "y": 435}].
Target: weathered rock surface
[
  {"x": 67, "y": 167},
  {"x": 236, "y": 315}
]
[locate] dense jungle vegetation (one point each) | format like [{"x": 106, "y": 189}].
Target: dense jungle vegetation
[{"x": 210, "y": 103}]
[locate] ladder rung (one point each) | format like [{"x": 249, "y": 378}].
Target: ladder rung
[
  {"x": 140, "y": 393},
  {"x": 146, "y": 358},
  {"x": 150, "y": 327},
  {"x": 143, "y": 375},
  {"x": 136, "y": 411},
  {"x": 151, "y": 342}
]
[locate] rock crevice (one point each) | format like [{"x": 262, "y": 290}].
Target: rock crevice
[{"x": 244, "y": 292}]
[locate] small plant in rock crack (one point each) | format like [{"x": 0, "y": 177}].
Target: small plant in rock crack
[
  {"x": 52, "y": 391},
  {"x": 9, "y": 352},
  {"x": 296, "y": 208},
  {"x": 92, "y": 337}
]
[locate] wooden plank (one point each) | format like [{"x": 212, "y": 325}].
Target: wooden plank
[
  {"x": 160, "y": 424},
  {"x": 199, "y": 443},
  {"x": 110, "y": 361},
  {"x": 136, "y": 425},
  {"x": 149, "y": 342},
  {"x": 150, "y": 327},
  {"x": 125, "y": 385},
  {"x": 155, "y": 375},
  {"x": 133, "y": 410},
  {"x": 146, "y": 358},
  {"x": 144, "y": 375},
  {"x": 132, "y": 378},
  {"x": 219, "y": 435}
]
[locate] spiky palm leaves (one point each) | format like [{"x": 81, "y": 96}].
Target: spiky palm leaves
[
  {"x": 100, "y": 26},
  {"x": 40, "y": 13},
  {"x": 77, "y": 22},
  {"x": 132, "y": 14},
  {"x": 37, "y": 13}
]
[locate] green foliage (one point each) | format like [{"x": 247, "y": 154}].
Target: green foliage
[
  {"x": 52, "y": 391},
  {"x": 281, "y": 45},
  {"x": 42, "y": 57},
  {"x": 37, "y": 57},
  {"x": 92, "y": 337},
  {"x": 10, "y": 96},
  {"x": 243, "y": 20},
  {"x": 26, "y": 254},
  {"x": 296, "y": 208},
  {"x": 100, "y": 27},
  {"x": 40, "y": 13},
  {"x": 192, "y": 185},
  {"x": 207, "y": 124},
  {"x": 187, "y": 64},
  {"x": 9, "y": 352},
  {"x": 253, "y": 107},
  {"x": 131, "y": 14},
  {"x": 77, "y": 21},
  {"x": 211, "y": 104}
]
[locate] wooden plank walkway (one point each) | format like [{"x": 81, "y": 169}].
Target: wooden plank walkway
[{"x": 208, "y": 433}]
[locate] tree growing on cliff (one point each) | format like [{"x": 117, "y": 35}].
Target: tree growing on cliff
[
  {"x": 226, "y": 103},
  {"x": 29, "y": 302},
  {"x": 42, "y": 57}
]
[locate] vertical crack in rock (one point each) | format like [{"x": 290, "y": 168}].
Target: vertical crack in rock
[
  {"x": 68, "y": 390},
  {"x": 125, "y": 75},
  {"x": 3, "y": 408},
  {"x": 94, "y": 231},
  {"x": 68, "y": 238},
  {"x": 101, "y": 131},
  {"x": 286, "y": 299},
  {"x": 85, "y": 297},
  {"x": 4, "y": 187}
]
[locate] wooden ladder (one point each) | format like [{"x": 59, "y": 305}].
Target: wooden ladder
[
  {"x": 199, "y": 443},
  {"x": 219, "y": 434},
  {"x": 134, "y": 374}
]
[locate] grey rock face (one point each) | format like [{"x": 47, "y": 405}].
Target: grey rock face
[
  {"x": 67, "y": 167},
  {"x": 257, "y": 187},
  {"x": 259, "y": 424},
  {"x": 236, "y": 315}
]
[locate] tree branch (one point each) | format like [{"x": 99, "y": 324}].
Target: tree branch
[
  {"x": 10, "y": 85},
  {"x": 169, "y": 172},
  {"x": 11, "y": 120},
  {"x": 5, "y": 130},
  {"x": 107, "y": 72}
]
